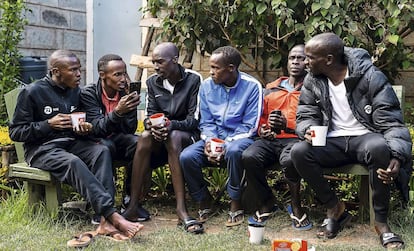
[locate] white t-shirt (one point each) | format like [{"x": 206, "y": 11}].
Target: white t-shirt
[
  {"x": 167, "y": 85},
  {"x": 343, "y": 121}
]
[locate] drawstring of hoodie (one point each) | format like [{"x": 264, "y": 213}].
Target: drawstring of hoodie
[{"x": 347, "y": 138}]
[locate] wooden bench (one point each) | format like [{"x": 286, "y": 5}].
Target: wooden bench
[
  {"x": 40, "y": 185},
  {"x": 365, "y": 191}
]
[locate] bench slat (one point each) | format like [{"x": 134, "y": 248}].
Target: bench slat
[
  {"x": 22, "y": 170},
  {"x": 355, "y": 169}
]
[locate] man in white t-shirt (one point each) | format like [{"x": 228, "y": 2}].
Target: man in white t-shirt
[{"x": 347, "y": 93}]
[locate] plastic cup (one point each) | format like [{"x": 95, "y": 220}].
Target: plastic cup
[
  {"x": 77, "y": 117},
  {"x": 157, "y": 119},
  {"x": 318, "y": 134},
  {"x": 256, "y": 233},
  {"x": 217, "y": 146}
]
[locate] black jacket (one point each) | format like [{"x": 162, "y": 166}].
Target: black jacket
[
  {"x": 103, "y": 126},
  {"x": 373, "y": 103},
  {"x": 179, "y": 107},
  {"x": 36, "y": 103}
]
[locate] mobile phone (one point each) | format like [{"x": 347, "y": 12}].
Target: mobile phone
[
  {"x": 135, "y": 86},
  {"x": 279, "y": 112}
]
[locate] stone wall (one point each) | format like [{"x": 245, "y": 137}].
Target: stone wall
[{"x": 55, "y": 24}]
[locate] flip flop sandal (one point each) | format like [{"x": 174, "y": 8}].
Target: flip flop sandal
[
  {"x": 235, "y": 218},
  {"x": 112, "y": 236},
  {"x": 81, "y": 241},
  {"x": 261, "y": 218},
  {"x": 331, "y": 227},
  {"x": 191, "y": 225},
  {"x": 205, "y": 214},
  {"x": 387, "y": 238},
  {"x": 301, "y": 224}
]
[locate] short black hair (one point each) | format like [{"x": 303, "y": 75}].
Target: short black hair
[
  {"x": 230, "y": 55},
  {"x": 330, "y": 43},
  {"x": 103, "y": 61},
  {"x": 56, "y": 57}
]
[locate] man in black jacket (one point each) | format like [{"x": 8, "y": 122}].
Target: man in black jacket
[
  {"x": 42, "y": 121},
  {"x": 172, "y": 91},
  {"x": 112, "y": 110},
  {"x": 347, "y": 93}
]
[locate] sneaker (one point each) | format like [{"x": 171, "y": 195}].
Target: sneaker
[
  {"x": 143, "y": 214},
  {"x": 96, "y": 219}
]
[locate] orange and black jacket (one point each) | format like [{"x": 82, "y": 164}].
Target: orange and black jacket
[{"x": 278, "y": 98}]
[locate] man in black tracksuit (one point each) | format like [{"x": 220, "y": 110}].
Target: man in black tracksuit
[
  {"x": 112, "y": 110},
  {"x": 172, "y": 91},
  {"x": 42, "y": 121},
  {"x": 347, "y": 93}
]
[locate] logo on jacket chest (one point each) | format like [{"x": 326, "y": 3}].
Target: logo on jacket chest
[
  {"x": 368, "y": 109},
  {"x": 49, "y": 110}
]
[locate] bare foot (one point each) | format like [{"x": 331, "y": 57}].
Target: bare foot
[
  {"x": 107, "y": 229},
  {"x": 235, "y": 205},
  {"x": 126, "y": 227}
]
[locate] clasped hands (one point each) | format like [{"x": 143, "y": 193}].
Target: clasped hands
[
  {"x": 213, "y": 158},
  {"x": 63, "y": 121},
  {"x": 160, "y": 132}
]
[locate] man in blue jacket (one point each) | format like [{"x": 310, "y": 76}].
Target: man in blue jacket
[
  {"x": 230, "y": 109},
  {"x": 347, "y": 93}
]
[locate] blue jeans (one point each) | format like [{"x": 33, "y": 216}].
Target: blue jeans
[{"x": 193, "y": 159}]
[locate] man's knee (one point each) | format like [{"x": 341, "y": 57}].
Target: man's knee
[
  {"x": 298, "y": 150},
  {"x": 233, "y": 150},
  {"x": 249, "y": 154},
  {"x": 175, "y": 141},
  {"x": 185, "y": 155},
  {"x": 145, "y": 140},
  {"x": 377, "y": 154}
]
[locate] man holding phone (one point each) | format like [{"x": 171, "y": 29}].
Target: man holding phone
[{"x": 111, "y": 107}]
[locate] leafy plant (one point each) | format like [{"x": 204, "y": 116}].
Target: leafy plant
[
  {"x": 11, "y": 27},
  {"x": 216, "y": 178},
  {"x": 265, "y": 30},
  {"x": 161, "y": 177}
]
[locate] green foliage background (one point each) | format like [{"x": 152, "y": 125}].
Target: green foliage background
[
  {"x": 11, "y": 27},
  {"x": 265, "y": 30}
]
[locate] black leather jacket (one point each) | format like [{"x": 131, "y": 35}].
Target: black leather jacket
[{"x": 373, "y": 103}]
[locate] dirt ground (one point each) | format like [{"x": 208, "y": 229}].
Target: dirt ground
[{"x": 278, "y": 227}]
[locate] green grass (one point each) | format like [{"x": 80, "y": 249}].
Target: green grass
[{"x": 23, "y": 228}]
